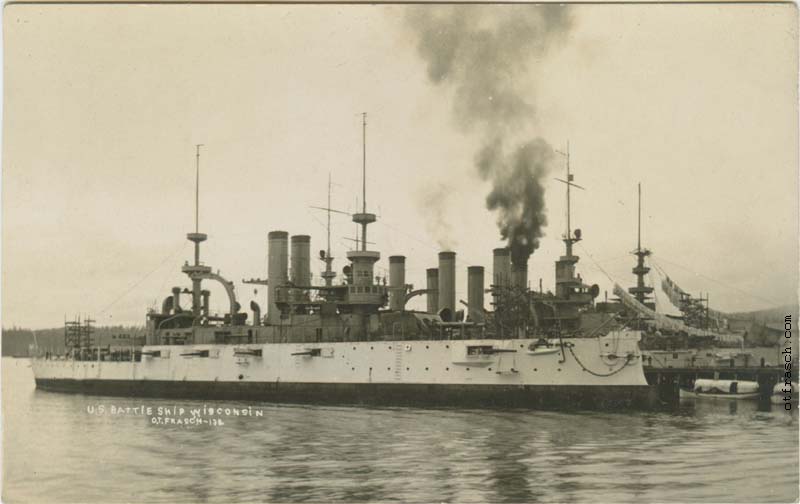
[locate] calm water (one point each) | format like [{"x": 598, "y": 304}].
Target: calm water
[{"x": 55, "y": 450}]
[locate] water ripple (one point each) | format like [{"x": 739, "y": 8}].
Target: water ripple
[{"x": 56, "y": 451}]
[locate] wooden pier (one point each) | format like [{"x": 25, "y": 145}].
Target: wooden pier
[{"x": 670, "y": 379}]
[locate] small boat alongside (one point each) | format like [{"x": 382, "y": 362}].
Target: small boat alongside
[{"x": 721, "y": 389}]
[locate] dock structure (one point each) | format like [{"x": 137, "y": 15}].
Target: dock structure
[{"x": 669, "y": 379}]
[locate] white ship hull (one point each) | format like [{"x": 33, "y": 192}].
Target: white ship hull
[{"x": 591, "y": 372}]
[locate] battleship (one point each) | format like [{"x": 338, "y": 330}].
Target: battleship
[{"x": 352, "y": 340}]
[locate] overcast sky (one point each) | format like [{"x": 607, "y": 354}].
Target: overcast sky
[{"x": 103, "y": 106}]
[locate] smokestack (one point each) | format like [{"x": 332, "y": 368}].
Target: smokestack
[
  {"x": 432, "y": 276},
  {"x": 176, "y": 299},
  {"x": 501, "y": 268},
  {"x": 447, "y": 282},
  {"x": 397, "y": 282},
  {"x": 277, "y": 267},
  {"x": 475, "y": 293},
  {"x": 301, "y": 260},
  {"x": 519, "y": 274}
]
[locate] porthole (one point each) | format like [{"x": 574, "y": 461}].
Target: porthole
[
  {"x": 354, "y": 369},
  {"x": 426, "y": 369},
  {"x": 467, "y": 369},
  {"x": 490, "y": 369},
  {"x": 388, "y": 369},
  {"x": 241, "y": 377},
  {"x": 408, "y": 369},
  {"x": 390, "y": 347},
  {"x": 535, "y": 369},
  {"x": 447, "y": 369},
  {"x": 559, "y": 369}
]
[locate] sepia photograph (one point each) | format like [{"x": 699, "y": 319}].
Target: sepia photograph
[{"x": 400, "y": 252}]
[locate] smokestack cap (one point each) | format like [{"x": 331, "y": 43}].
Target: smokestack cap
[
  {"x": 397, "y": 259},
  {"x": 501, "y": 251},
  {"x": 447, "y": 254},
  {"x": 277, "y": 234},
  {"x": 474, "y": 269},
  {"x": 301, "y": 239},
  {"x": 432, "y": 271}
]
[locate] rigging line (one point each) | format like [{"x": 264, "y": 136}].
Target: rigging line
[
  {"x": 597, "y": 265},
  {"x": 314, "y": 218},
  {"x": 612, "y": 259},
  {"x": 161, "y": 289},
  {"x": 772, "y": 302},
  {"x": 139, "y": 282},
  {"x": 339, "y": 241},
  {"x": 459, "y": 258},
  {"x": 427, "y": 244}
]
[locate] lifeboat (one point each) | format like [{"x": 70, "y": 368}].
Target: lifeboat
[{"x": 722, "y": 389}]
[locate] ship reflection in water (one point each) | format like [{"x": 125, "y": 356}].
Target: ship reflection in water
[{"x": 703, "y": 452}]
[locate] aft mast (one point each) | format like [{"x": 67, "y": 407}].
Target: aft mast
[{"x": 641, "y": 292}]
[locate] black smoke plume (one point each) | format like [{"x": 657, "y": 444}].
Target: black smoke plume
[
  {"x": 517, "y": 193},
  {"x": 484, "y": 53}
]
